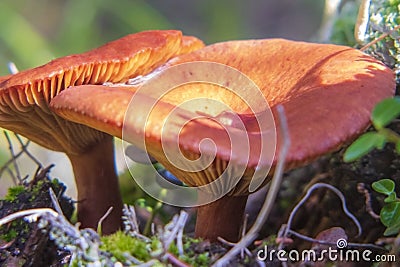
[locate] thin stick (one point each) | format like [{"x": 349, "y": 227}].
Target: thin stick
[
  {"x": 24, "y": 213},
  {"x": 368, "y": 206},
  {"x": 179, "y": 223},
  {"x": 130, "y": 219},
  {"x": 131, "y": 225},
  {"x": 24, "y": 148},
  {"x": 100, "y": 223},
  {"x": 175, "y": 261},
  {"x": 270, "y": 198},
  {"x": 179, "y": 240},
  {"x": 323, "y": 242},
  {"x": 386, "y": 34},
  {"x": 245, "y": 220},
  {"x": 231, "y": 244},
  {"x": 5, "y": 166},
  {"x": 55, "y": 202},
  {"x": 305, "y": 198},
  {"x": 10, "y": 147}
]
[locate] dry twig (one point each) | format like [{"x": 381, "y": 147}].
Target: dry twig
[
  {"x": 14, "y": 156},
  {"x": 383, "y": 36},
  {"x": 305, "y": 198},
  {"x": 368, "y": 206}
]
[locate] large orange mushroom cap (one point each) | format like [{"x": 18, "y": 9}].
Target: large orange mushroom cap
[
  {"x": 24, "y": 109},
  {"x": 328, "y": 92}
]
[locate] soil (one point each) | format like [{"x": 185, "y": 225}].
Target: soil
[{"x": 32, "y": 247}]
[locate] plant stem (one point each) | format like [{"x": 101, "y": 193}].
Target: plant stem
[{"x": 390, "y": 135}]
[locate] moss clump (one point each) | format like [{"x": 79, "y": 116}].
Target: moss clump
[
  {"x": 202, "y": 259},
  {"x": 120, "y": 245},
  {"x": 190, "y": 256},
  {"x": 132, "y": 250},
  {"x": 10, "y": 235},
  {"x": 13, "y": 192}
]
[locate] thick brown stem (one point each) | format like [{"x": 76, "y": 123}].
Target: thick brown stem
[
  {"x": 98, "y": 187},
  {"x": 223, "y": 217}
]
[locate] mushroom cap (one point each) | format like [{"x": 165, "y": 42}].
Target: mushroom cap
[
  {"x": 25, "y": 96},
  {"x": 328, "y": 92}
]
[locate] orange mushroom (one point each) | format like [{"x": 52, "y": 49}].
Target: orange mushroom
[
  {"x": 328, "y": 92},
  {"x": 24, "y": 109}
]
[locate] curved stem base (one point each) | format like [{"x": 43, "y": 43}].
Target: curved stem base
[{"x": 223, "y": 217}]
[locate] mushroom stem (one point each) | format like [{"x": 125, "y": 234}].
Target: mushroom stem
[
  {"x": 97, "y": 185},
  {"x": 221, "y": 218}
]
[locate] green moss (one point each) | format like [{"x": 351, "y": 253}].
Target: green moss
[
  {"x": 189, "y": 256},
  {"x": 13, "y": 192},
  {"x": 17, "y": 228},
  {"x": 37, "y": 187},
  {"x": 120, "y": 244},
  {"x": 10, "y": 235},
  {"x": 199, "y": 260}
]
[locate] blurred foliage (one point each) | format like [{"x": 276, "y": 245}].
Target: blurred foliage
[
  {"x": 343, "y": 29},
  {"x": 34, "y": 32}
]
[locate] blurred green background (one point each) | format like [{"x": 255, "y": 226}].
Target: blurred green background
[{"x": 34, "y": 32}]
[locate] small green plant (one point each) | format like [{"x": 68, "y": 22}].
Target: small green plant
[
  {"x": 153, "y": 210},
  {"x": 384, "y": 113},
  {"x": 390, "y": 212}
]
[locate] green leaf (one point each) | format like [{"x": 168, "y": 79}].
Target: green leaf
[
  {"x": 363, "y": 145},
  {"x": 391, "y": 198},
  {"x": 390, "y": 214},
  {"x": 392, "y": 230},
  {"x": 385, "y": 111},
  {"x": 384, "y": 186}
]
